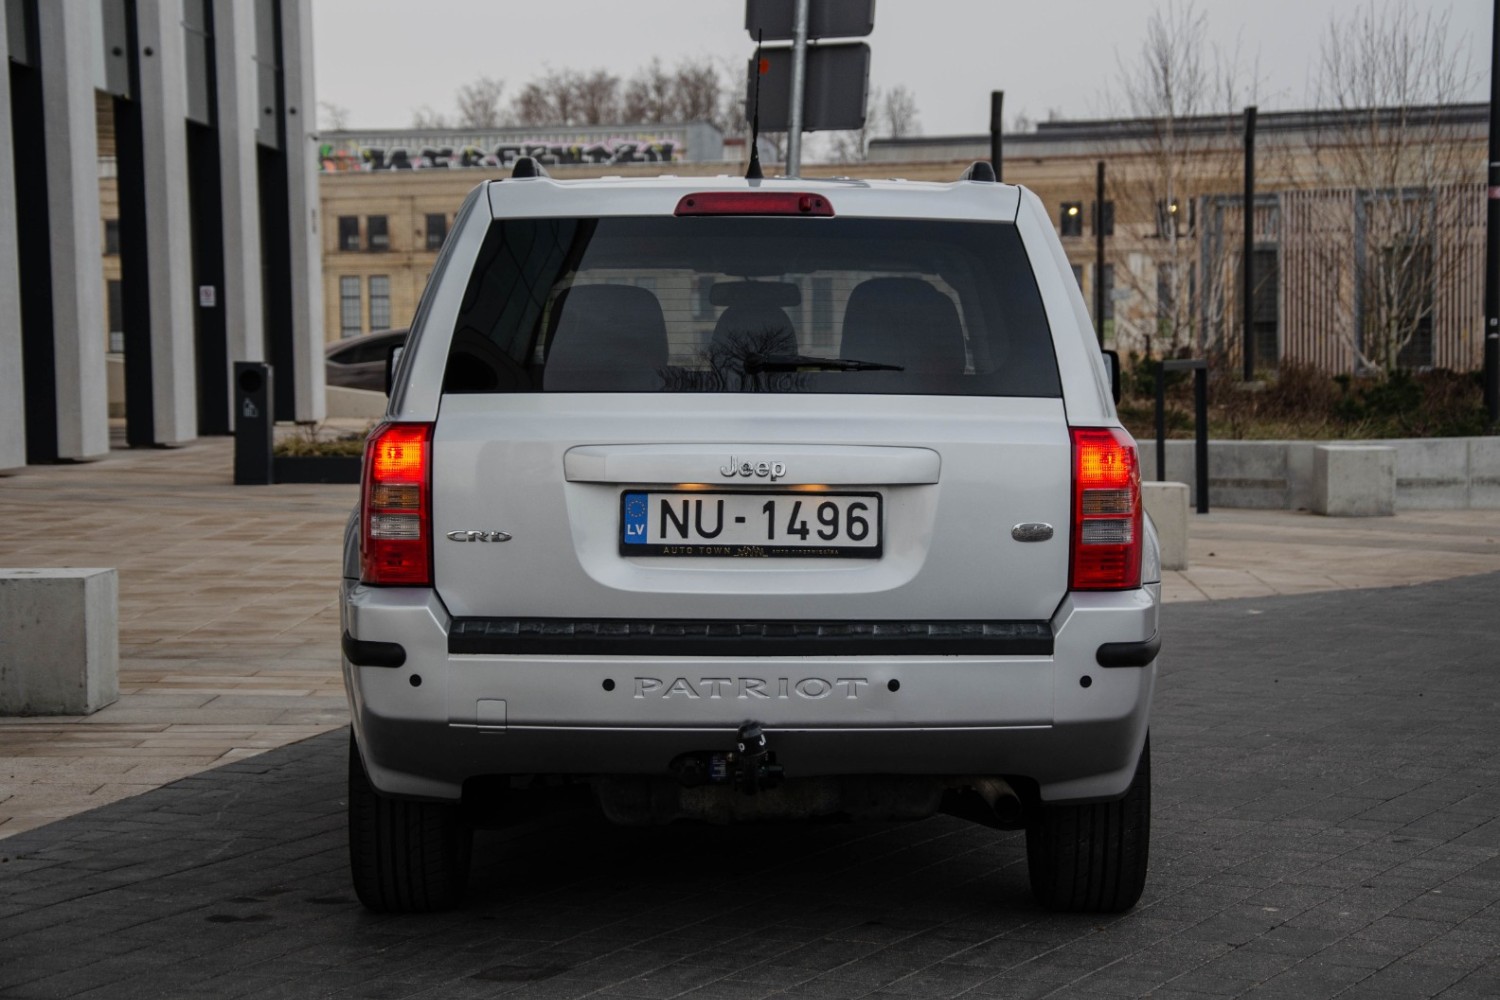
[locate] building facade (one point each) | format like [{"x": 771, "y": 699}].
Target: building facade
[
  {"x": 1368, "y": 230},
  {"x": 157, "y": 219},
  {"x": 1367, "y": 252}
]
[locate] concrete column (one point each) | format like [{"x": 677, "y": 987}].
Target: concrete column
[
  {"x": 234, "y": 51},
  {"x": 12, "y": 379},
  {"x": 67, "y": 40},
  {"x": 169, "y": 221},
  {"x": 302, "y": 203}
]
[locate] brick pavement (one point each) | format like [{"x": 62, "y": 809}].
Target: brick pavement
[
  {"x": 229, "y": 615},
  {"x": 1327, "y": 790}
]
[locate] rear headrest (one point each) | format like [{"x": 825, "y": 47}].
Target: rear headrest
[
  {"x": 906, "y": 322},
  {"x": 605, "y": 338}
]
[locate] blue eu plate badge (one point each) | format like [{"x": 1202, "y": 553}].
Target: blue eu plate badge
[{"x": 635, "y": 518}]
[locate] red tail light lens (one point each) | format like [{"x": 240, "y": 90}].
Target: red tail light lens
[
  {"x": 395, "y": 546},
  {"x": 1107, "y": 528},
  {"x": 754, "y": 203}
]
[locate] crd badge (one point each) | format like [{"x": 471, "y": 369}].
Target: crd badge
[{"x": 478, "y": 536}]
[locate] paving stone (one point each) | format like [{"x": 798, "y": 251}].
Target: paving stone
[{"x": 232, "y": 882}]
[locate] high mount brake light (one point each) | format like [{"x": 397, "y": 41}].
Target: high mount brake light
[
  {"x": 754, "y": 203},
  {"x": 1107, "y": 530},
  {"x": 395, "y": 541}
]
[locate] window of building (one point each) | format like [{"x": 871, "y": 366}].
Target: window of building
[
  {"x": 1107, "y": 279},
  {"x": 1166, "y": 298},
  {"x": 1265, "y": 307},
  {"x": 114, "y": 304},
  {"x": 1070, "y": 218},
  {"x": 348, "y": 232},
  {"x": 437, "y": 231},
  {"x": 351, "y": 315},
  {"x": 377, "y": 233},
  {"x": 1104, "y": 219},
  {"x": 1174, "y": 217},
  {"x": 1166, "y": 218},
  {"x": 822, "y": 311},
  {"x": 111, "y": 237},
  {"x": 703, "y": 302},
  {"x": 1078, "y": 275},
  {"x": 380, "y": 302}
]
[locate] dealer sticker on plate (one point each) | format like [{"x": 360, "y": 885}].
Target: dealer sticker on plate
[{"x": 804, "y": 524}]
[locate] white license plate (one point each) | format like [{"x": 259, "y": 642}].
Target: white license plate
[{"x": 808, "y": 525}]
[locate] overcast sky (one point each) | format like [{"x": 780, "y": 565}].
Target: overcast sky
[{"x": 380, "y": 59}]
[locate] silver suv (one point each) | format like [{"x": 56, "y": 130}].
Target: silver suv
[{"x": 738, "y": 500}]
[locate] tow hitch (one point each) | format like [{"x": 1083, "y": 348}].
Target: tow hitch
[{"x": 751, "y": 766}]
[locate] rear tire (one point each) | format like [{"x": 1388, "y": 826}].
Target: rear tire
[
  {"x": 1092, "y": 858},
  {"x": 405, "y": 856}
]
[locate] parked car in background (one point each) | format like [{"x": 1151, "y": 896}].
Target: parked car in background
[{"x": 359, "y": 362}]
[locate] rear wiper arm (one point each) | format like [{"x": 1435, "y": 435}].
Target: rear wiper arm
[{"x": 801, "y": 362}]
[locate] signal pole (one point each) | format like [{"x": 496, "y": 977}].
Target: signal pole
[
  {"x": 799, "y": 84},
  {"x": 1492, "y": 239}
]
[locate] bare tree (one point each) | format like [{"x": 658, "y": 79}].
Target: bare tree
[
  {"x": 596, "y": 97},
  {"x": 1396, "y": 175},
  {"x": 479, "y": 103},
  {"x": 853, "y": 145},
  {"x": 333, "y": 117},
  {"x": 701, "y": 93},
  {"x": 650, "y": 95},
  {"x": 1174, "y": 283},
  {"x": 898, "y": 112},
  {"x": 424, "y": 117}
]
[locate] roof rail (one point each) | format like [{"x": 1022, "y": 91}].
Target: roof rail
[
  {"x": 979, "y": 170},
  {"x": 527, "y": 166}
]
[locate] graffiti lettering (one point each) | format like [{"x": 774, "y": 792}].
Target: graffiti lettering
[{"x": 333, "y": 159}]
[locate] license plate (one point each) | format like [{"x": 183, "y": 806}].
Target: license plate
[{"x": 807, "y": 525}]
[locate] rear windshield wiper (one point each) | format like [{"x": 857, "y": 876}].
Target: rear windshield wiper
[{"x": 800, "y": 362}]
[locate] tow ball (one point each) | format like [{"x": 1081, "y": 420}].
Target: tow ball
[{"x": 751, "y": 766}]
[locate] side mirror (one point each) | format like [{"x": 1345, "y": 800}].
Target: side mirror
[
  {"x": 394, "y": 356},
  {"x": 1112, "y": 362}
]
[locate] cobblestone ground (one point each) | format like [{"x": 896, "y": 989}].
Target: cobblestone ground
[{"x": 1327, "y": 786}]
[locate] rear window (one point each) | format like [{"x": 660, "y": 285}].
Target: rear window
[{"x": 736, "y": 304}]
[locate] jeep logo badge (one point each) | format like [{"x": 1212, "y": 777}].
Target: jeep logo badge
[{"x": 752, "y": 470}]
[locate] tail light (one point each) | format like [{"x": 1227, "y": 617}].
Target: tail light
[
  {"x": 1107, "y": 525},
  {"x": 395, "y": 544}
]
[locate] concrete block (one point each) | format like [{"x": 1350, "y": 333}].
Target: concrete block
[
  {"x": 1167, "y": 506},
  {"x": 1247, "y": 474},
  {"x": 59, "y": 641},
  {"x": 1299, "y": 474},
  {"x": 1431, "y": 473},
  {"x": 1484, "y": 473},
  {"x": 1354, "y": 480}
]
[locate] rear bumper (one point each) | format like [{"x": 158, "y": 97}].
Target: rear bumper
[{"x": 438, "y": 718}]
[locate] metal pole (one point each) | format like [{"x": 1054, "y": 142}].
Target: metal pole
[
  {"x": 1249, "y": 262},
  {"x": 1099, "y": 252},
  {"x": 997, "y": 131},
  {"x": 1161, "y": 422},
  {"x": 799, "y": 82},
  {"x": 1200, "y": 451},
  {"x": 1492, "y": 239}
]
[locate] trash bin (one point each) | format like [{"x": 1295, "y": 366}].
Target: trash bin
[{"x": 254, "y": 423}]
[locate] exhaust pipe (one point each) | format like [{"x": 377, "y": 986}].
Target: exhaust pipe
[{"x": 1001, "y": 799}]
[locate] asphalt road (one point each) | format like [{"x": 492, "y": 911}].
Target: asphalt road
[{"x": 1327, "y": 790}]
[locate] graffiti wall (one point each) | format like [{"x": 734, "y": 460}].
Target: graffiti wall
[{"x": 396, "y": 152}]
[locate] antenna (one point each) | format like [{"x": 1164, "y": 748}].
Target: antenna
[{"x": 752, "y": 173}]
